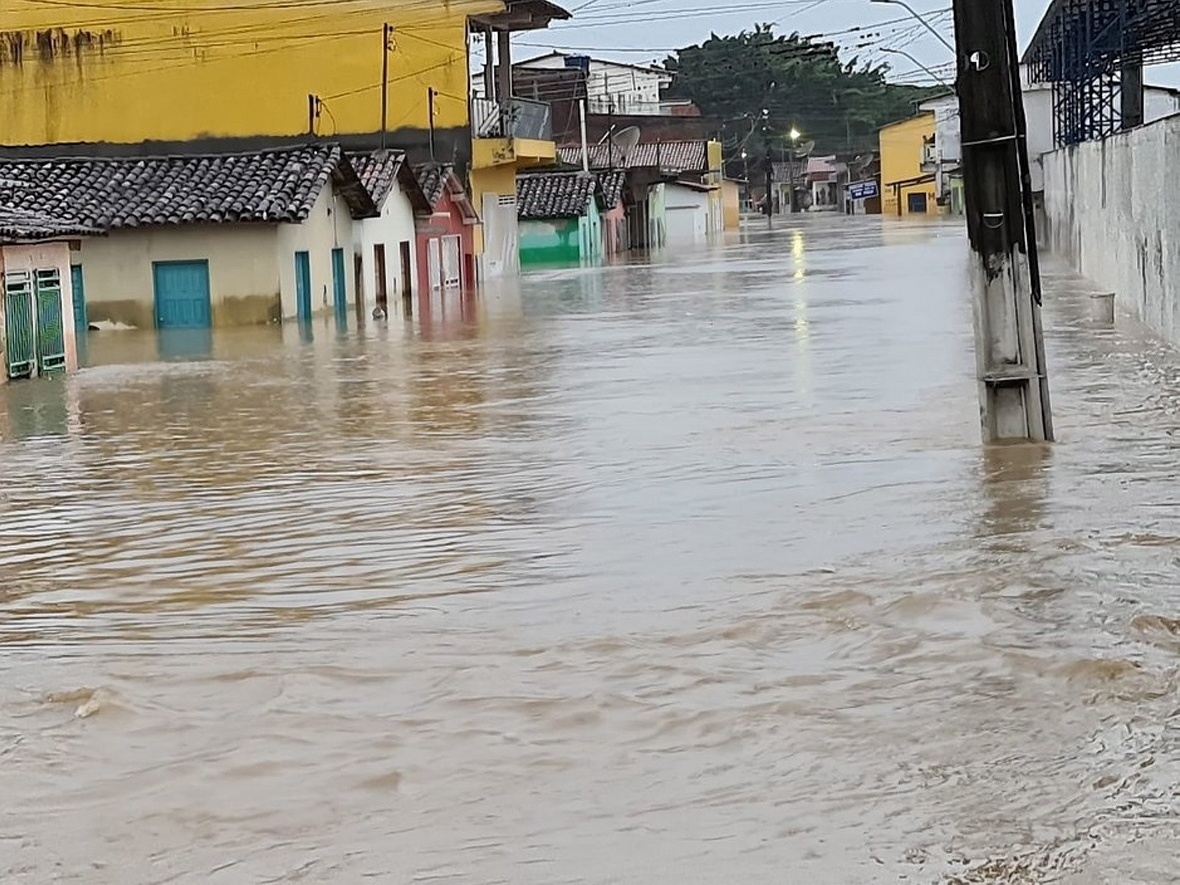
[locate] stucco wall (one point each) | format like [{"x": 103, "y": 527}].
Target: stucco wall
[
  {"x": 329, "y": 226},
  {"x": 901, "y": 160},
  {"x": 243, "y": 274},
  {"x": 551, "y": 242},
  {"x": 42, "y": 256},
  {"x": 395, "y": 226},
  {"x": 1108, "y": 210},
  {"x": 687, "y": 214}
]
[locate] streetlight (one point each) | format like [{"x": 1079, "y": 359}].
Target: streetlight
[
  {"x": 794, "y": 135},
  {"x": 927, "y": 24},
  {"x": 937, "y": 78}
]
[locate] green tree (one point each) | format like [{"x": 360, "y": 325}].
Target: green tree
[{"x": 763, "y": 84}]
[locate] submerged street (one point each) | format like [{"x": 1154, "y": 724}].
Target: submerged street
[{"x": 675, "y": 571}]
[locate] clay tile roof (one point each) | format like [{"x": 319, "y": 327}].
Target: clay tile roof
[
  {"x": 280, "y": 185},
  {"x": 432, "y": 178},
  {"x": 22, "y": 226},
  {"x": 612, "y": 186},
  {"x": 378, "y": 171},
  {"x": 672, "y": 156},
  {"x": 546, "y": 195}
]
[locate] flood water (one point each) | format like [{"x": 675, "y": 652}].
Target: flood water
[{"x": 684, "y": 571}]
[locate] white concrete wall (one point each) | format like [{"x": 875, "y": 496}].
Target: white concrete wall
[
  {"x": 44, "y": 256},
  {"x": 395, "y": 226},
  {"x": 687, "y": 213},
  {"x": 329, "y": 226},
  {"x": 1109, "y": 211}
]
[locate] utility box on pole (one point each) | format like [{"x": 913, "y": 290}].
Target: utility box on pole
[{"x": 1005, "y": 275}]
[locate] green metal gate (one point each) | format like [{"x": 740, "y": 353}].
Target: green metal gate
[
  {"x": 20, "y": 343},
  {"x": 51, "y": 334}
]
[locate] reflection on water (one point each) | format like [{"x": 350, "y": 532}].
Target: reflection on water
[{"x": 687, "y": 569}]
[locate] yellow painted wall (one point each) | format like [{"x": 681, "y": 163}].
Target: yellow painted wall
[
  {"x": 122, "y": 72},
  {"x": 731, "y": 199},
  {"x": 901, "y": 159}
]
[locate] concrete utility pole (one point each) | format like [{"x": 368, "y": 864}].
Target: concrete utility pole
[
  {"x": 769, "y": 168},
  {"x": 1009, "y": 346}
]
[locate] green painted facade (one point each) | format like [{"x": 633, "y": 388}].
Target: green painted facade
[{"x": 562, "y": 240}]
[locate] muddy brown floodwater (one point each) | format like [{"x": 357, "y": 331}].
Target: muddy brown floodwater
[{"x": 688, "y": 571}]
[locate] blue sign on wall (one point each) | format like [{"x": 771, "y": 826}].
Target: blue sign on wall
[{"x": 862, "y": 190}]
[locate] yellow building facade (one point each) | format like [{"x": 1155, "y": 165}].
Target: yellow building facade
[
  {"x": 120, "y": 72},
  {"x": 905, "y": 188}
]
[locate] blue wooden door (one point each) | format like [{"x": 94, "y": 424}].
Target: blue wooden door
[
  {"x": 81, "y": 319},
  {"x": 303, "y": 285},
  {"x": 339, "y": 283},
  {"x": 182, "y": 294}
]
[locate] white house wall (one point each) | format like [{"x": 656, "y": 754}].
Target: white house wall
[
  {"x": 243, "y": 272},
  {"x": 687, "y": 213},
  {"x": 395, "y": 226},
  {"x": 328, "y": 227}
]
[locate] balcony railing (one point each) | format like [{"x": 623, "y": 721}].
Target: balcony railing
[{"x": 518, "y": 118}]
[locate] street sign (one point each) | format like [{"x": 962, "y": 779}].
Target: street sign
[{"x": 862, "y": 190}]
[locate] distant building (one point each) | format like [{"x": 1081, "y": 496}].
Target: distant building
[
  {"x": 560, "y": 217},
  {"x": 943, "y": 156},
  {"x": 905, "y": 188},
  {"x": 611, "y": 86}
]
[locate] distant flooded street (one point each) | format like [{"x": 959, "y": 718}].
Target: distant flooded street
[{"x": 666, "y": 572}]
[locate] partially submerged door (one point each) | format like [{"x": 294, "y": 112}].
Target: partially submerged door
[
  {"x": 182, "y": 294},
  {"x": 51, "y": 334},
  {"x": 81, "y": 317},
  {"x": 303, "y": 286},
  {"x": 339, "y": 284},
  {"x": 434, "y": 263},
  {"x": 452, "y": 262},
  {"x": 19, "y": 330}
]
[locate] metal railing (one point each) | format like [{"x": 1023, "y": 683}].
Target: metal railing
[{"x": 518, "y": 118}]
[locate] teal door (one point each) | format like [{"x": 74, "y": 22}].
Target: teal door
[
  {"x": 182, "y": 294},
  {"x": 303, "y": 286},
  {"x": 51, "y": 331},
  {"x": 81, "y": 321},
  {"x": 19, "y": 329},
  {"x": 339, "y": 284}
]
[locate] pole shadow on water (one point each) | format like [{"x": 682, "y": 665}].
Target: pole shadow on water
[{"x": 1015, "y": 483}]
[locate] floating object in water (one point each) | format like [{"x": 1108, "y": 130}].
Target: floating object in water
[{"x": 378, "y": 313}]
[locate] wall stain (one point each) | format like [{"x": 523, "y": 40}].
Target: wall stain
[{"x": 54, "y": 44}]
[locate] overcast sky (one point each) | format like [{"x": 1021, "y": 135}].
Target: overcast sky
[{"x": 645, "y": 30}]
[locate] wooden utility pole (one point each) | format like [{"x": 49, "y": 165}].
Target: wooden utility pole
[
  {"x": 386, "y": 46},
  {"x": 1005, "y": 275}
]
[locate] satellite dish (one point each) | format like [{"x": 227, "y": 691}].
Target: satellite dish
[
  {"x": 862, "y": 162},
  {"x": 805, "y": 149},
  {"x": 625, "y": 140}
]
